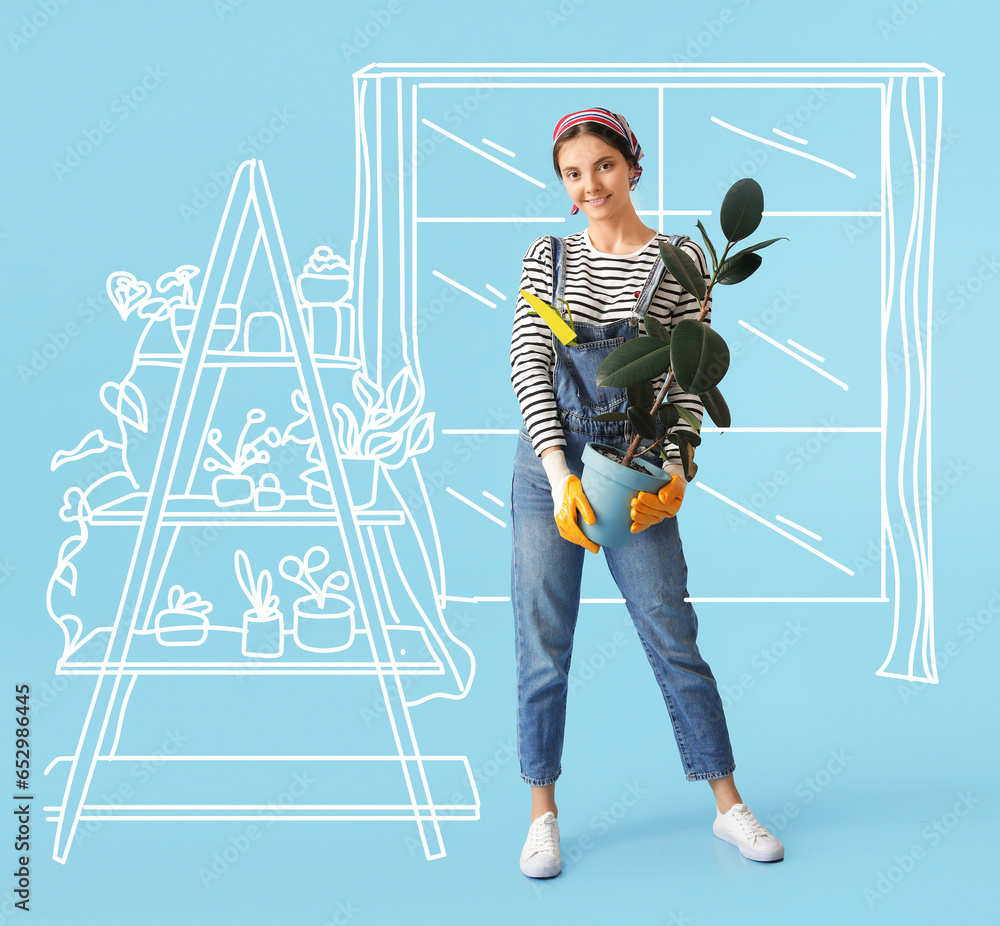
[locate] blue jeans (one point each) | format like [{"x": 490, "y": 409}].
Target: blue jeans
[{"x": 651, "y": 574}]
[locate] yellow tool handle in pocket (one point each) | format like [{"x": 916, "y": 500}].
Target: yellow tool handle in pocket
[{"x": 551, "y": 318}]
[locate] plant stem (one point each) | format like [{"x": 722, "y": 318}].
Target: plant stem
[{"x": 633, "y": 447}]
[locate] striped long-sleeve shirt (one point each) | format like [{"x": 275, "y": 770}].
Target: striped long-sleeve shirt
[{"x": 599, "y": 288}]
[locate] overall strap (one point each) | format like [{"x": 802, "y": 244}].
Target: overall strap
[
  {"x": 656, "y": 275},
  {"x": 652, "y": 282},
  {"x": 558, "y": 270}
]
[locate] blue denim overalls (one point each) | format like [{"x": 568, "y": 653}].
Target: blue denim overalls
[{"x": 649, "y": 570}]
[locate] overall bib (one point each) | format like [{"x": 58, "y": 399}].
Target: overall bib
[{"x": 650, "y": 572}]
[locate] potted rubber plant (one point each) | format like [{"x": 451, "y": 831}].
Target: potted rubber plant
[{"x": 692, "y": 354}]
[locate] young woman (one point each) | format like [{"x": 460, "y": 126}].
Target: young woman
[{"x": 596, "y": 156}]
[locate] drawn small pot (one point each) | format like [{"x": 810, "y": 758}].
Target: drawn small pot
[
  {"x": 232, "y": 490},
  {"x": 326, "y": 628},
  {"x": 324, "y": 288},
  {"x": 226, "y": 327},
  {"x": 263, "y": 633},
  {"x": 269, "y": 496},
  {"x": 181, "y": 628},
  {"x": 362, "y": 480},
  {"x": 319, "y": 496},
  {"x": 610, "y": 488},
  {"x": 181, "y": 323}
]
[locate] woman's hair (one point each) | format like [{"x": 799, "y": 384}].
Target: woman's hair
[{"x": 613, "y": 138}]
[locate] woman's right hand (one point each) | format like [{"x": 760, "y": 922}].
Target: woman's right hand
[{"x": 574, "y": 502}]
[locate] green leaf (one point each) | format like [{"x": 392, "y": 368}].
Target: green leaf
[
  {"x": 689, "y": 417},
  {"x": 741, "y": 210},
  {"x": 689, "y": 437},
  {"x": 636, "y": 360},
  {"x": 699, "y": 356},
  {"x": 690, "y": 467},
  {"x": 611, "y": 416},
  {"x": 668, "y": 415},
  {"x": 737, "y": 268},
  {"x": 642, "y": 421},
  {"x": 716, "y": 407},
  {"x": 641, "y": 394},
  {"x": 685, "y": 451},
  {"x": 684, "y": 270},
  {"x": 655, "y": 330},
  {"x": 708, "y": 244},
  {"x": 760, "y": 246}
]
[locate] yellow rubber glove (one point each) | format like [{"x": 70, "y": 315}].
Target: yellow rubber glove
[
  {"x": 574, "y": 501},
  {"x": 648, "y": 509}
]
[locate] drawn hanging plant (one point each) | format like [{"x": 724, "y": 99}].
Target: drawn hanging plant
[
  {"x": 129, "y": 295},
  {"x": 126, "y": 402},
  {"x": 233, "y": 486},
  {"x": 76, "y": 510},
  {"x": 124, "y": 399},
  {"x": 323, "y": 618}
]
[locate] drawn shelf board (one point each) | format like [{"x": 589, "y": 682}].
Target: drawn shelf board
[{"x": 309, "y": 401}]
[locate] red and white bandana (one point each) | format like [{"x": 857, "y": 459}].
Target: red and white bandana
[{"x": 614, "y": 121}]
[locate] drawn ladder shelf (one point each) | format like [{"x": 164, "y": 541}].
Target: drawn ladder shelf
[{"x": 359, "y": 532}]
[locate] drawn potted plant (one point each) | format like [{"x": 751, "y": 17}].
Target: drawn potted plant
[
  {"x": 129, "y": 295},
  {"x": 233, "y": 486},
  {"x": 323, "y": 619},
  {"x": 388, "y": 432},
  {"x": 263, "y": 627},
  {"x": 184, "y": 621},
  {"x": 692, "y": 354}
]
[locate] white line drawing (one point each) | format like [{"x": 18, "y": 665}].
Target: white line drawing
[
  {"x": 485, "y": 154},
  {"x": 343, "y": 607},
  {"x": 791, "y": 353},
  {"x": 798, "y": 527},
  {"x": 805, "y": 350},
  {"x": 500, "y": 148},
  {"x": 801, "y": 141},
  {"x": 801, "y": 154},
  {"x": 474, "y": 506},
  {"x": 784, "y": 533},
  {"x": 464, "y": 289}
]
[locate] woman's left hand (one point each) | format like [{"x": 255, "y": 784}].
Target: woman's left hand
[{"x": 648, "y": 509}]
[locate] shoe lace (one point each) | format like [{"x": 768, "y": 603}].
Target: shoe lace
[
  {"x": 750, "y": 824},
  {"x": 542, "y": 836}
]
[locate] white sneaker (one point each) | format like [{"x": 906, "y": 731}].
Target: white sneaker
[
  {"x": 740, "y": 827},
  {"x": 540, "y": 856}
]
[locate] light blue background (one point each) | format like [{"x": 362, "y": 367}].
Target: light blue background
[{"x": 912, "y": 751}]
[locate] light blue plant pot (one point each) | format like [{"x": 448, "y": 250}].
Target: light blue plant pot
[{"x": 610, "y": 488}]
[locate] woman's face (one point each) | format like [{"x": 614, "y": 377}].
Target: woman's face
[{"x": 596, "y": 176}]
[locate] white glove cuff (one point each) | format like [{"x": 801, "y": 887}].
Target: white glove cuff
[
  {"x": 558, "y": 473},
  {"x": 675, "y": 469}
]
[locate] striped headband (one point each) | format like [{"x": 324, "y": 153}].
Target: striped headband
[{"x": 614, "y": 121}]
